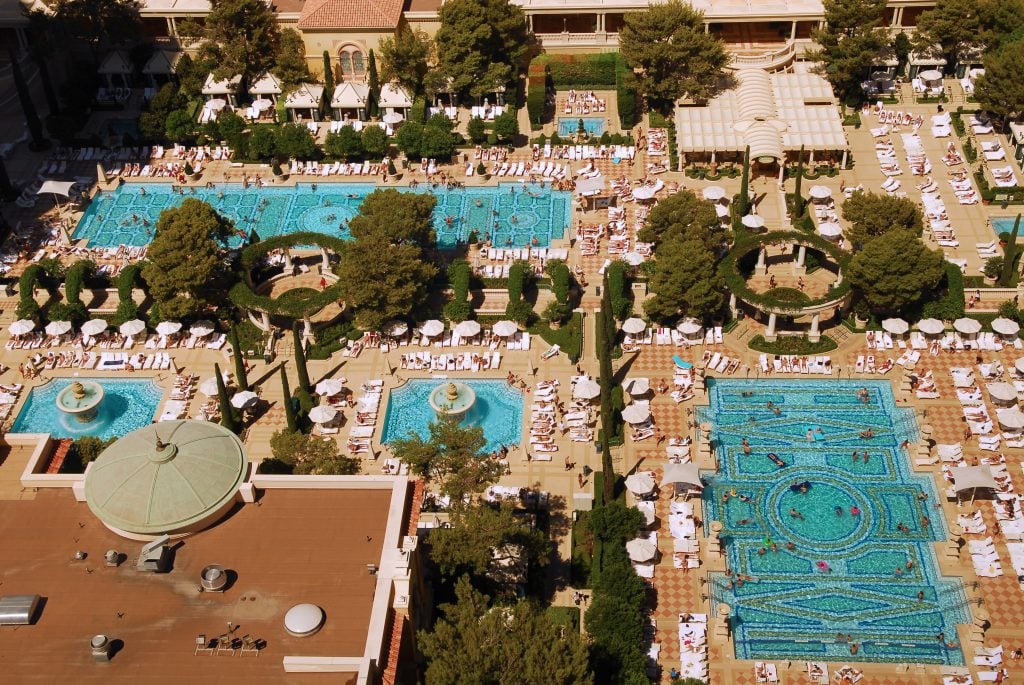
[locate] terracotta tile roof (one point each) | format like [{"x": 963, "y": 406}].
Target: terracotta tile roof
[{"x": 350, "y": 14}]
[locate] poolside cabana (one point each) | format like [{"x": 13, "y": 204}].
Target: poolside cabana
[
  {"x": 350, "y": 100},
  {"x": 266, "y": 87},
  {"x": 972, "y": 478},
  {"x": 222, "y": 89},
  {"x": 924, "y": 61},
  {"x": 160, "y": 67},
  {"x": 774, "y": 114},
  {"x": 116, "y": 70},
  {"x": 394, "y": 98},
  {"x": 304, "y": 102},
  {"x": 684, "y": 478}
]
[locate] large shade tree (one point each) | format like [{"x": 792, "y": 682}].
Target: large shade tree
[
  {"x": 381, "y": 280},
  {"x": 290, "y": 62},
  {"x": 685, "y": 281},
  {"x": 683, "y": 216},
  {"x": 241, "y": 37},
  {"x": 475, "y": 642},
  {"x": 310, "y": 455},
  {"x": 481, "y": 44},
  {"x": 100, "y": 23},
  {"x": 849, "y": 43},
  {"x": 184, "y": 262},
  {"x": 404, "y": 58},
  {"x": 896, "y": 271},
  {"x": 1000, "y": 90},
  {"x": 452, "y": 457},
  {"x": 400, "y": 218},
  {"x": 673, "y": 55},
  {"x": 949, "y": 28},
  {"x": 872, "y": 215}
]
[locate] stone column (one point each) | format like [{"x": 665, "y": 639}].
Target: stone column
[
  {"x": 266, "y": 321},
  {"x": 325, "y": 260},
  {"x": 897, "y": 17},
  {"x": 762, "y": 267},
  {"x": 814, "y": 335},
  {"x": 733, "y": 309},
  {"x": 287, "y": 261},
  {"x": 307, "y": 328},
  {"x": 792, "y": 31},
  {"x": 839, "y": 277},
  {"x": 600, "y": 23},
  {"x": 842, "y": 165},
  {"x": 769, "y": 335},
  {"x": 798, "y": 265}
]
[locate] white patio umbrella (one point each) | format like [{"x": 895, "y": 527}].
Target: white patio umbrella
[
  {"x": 713, "y": 193},
  {"x": 209, "y": 386},
  {"x": 133, "y": 327},
  {"x": 638, "y": 386},
  {"x": 431, "y": 328},
  {"x": 396, "y": 328},
  {"x": 329, "y": 387},
  {"x": 967, "y": 326},
  {"x": 58, "y": 327},
  {"x": 323, "y": 413},
  {"x": 201, "y": 328},
  {"x": 392, "y": 118},
  {"x": 243, "y": 399},
  {"x": 896, "y": 326},
  {"x": 634, "y": 325},
  {"x": 216, "y": 104},
  {"x": 641, "y": 550},
  {"x": 640, "y": 483},
  {"x": 931, "y": 75},
  {"x": 21, "y": 327},
  {"x": 505, "y": 328},
  {"x": 1011, "y": 419},
  {"x": 94, "y": 327},
  {"x": 633, "y": 258},
  {"x": 262, "y": 104},
  {"x": 586, "y": 389},
  {"x": 1002, "y": 392},
  {"x": 467, "y": 329},
  {"x": 753, "y": 221},
  {"x": 644, "y": 192},
  {"x": 636, "y": 413},
  {"x": 1004, "y": 326},
  {"x": 830, "y": 229},
  {"x": 649, "y": 515},
  {"x": 689, "y": 327},
  {"x": 1019, "y": 364},
  {"x": 931, "y": 326},
  {"x": 820, "y": 192},
  {"x": 168, "y": 327}
]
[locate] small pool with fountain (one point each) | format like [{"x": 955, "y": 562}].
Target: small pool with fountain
[
  {"x": 490, "y": 404},
  {"x": 101, "y": 407}
]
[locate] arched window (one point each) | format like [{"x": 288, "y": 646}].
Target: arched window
[
  {"x": 358, "y": 67},
  {"x": 345, "y": 58},
  {"x": 353, "y": 64}
]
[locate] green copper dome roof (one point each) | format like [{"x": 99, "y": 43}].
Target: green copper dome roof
[{"x": 166, "y": 476}]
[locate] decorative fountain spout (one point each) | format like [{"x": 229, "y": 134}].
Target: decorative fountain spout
[
  {"x": 453, "y": 399},
  {"x": 81, "y": 400}
]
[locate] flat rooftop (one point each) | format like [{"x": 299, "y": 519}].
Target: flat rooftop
[{"x": 294, "y": 546}]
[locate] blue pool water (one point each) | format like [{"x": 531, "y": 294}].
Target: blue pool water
[
  {"x": 127, "y": 405},
  {"x": 1005, "y": 223},
  {"x": 119, "y": 217},
  {"x": 498, "y": 409},
  {"x": 793, "y": 609},
  {"x": 570, "y": 126}
]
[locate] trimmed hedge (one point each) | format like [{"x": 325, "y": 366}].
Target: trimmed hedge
[
  {"x": 30, "y": 278},
  {"x": 418, "y": 111},
  {"x": 792, "y": 345},
  {"x": 951, "y": 305},
  {"x": 626, "y": 96},
  {"x": 125, "y": 284},
  {"x": 459, "y": 308},
  {"x": 618, "y": 288},
  {"x": 519, "y": 276},
  {"x": 590, "y": 71},
  {"x": 536, "y": 92}
]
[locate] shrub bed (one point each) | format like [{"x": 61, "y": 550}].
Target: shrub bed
[
  {"x": 792, "y": 345},
  {"x": 569, "y": 337},
  {"x": 584, "y": 71}
]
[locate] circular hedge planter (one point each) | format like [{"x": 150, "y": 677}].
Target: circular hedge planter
[
  {"x": 737, "y": 283},
  {"x": 789, "y": 295},
  {"x": 301, "y": 306}
]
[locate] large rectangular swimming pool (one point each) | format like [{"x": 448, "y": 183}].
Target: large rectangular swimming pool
[
  {"x": 514, "y": 214},
  {"x": 832, "y": 550}
]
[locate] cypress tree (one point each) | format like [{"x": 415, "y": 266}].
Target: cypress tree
[
  {"x": 300, "y": 360},
  {"x": 227, "y": 412},
  {"x": 373, "y": 85},
  {"x": 745, "y": 183},
  {"x": 605, "y": 381},
  {"x": 289, "y": 404},
  {"x": 1009, "y": 256},
  {"x": 35, "y": 126},
  {"x": 52, "y": 104},
  {"x": 328, "y": 77},
  {"x": 7, "y": 191},
  {"x": 798, "y": 198},
  {"x": 236, "y": 354}
]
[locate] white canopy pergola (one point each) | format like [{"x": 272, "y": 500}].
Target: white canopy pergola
[
  {"x": 394, "y": 97},
  {"x": 266, "y": 85},
  {"x": 51, "y": 187},
  {"x": 772, "y": 113},
  {"x": 350, "y": 96},
  {"x": 972, "y": 477},
  {"x": 686, "y": 474}
]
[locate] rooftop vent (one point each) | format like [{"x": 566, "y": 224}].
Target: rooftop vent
[{"x": 214, "y": 578}]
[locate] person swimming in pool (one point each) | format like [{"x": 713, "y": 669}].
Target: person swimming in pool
[
  {"x": 774, "y": 457},
  {"x": 854, "y": 511},
  {"x": 839, "y": 511}
]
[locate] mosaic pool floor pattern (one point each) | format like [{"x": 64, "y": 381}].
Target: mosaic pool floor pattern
[
  {"x": 850, "y": 559},
  {"x": 513, "y": 213}
]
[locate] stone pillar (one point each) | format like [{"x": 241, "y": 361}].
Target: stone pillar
[
  {"x": 897, "y": 17},
  {"x": 792, "y": 31},
  {"x": 810, "y": 158},
  {"x": 733, "y": 309},
  {"x": 842, "y": 165},
  {"x": 769, "y": 335},
  {"x": 814, "y": 335},
  {"x": 529, "y": 19},
  {"x": 782, "y": 176},
  {"x": 839, "y": 277},
  {"x": 266, "y": 321},
  {"x": 713, "y": 157},
  {"x": 762, "y": 267},
  {"x": 600, "y": 23},
  {"x": 307, "y": 328},
  {"x": 287, "y": 261},
  {"x": 172, "y": 27},
  {"x": 799, "y": 268},
  {"x": 325, "y": 260}
]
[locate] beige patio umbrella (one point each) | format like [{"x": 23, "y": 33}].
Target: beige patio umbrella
[
  {"x": 967, "y": 326},
  {"x": 209, "y": 386},
  {"x": 689, "y": 327},
  {"x": 201, "y": 328},
  {"x": 1019, "y": 365},
  {"x": 1011, "y": 418},
  {"x": 820, "y": 192},
  {"x": 634, "y": 325},
  {"x": 322, "y": 413},
  {"x": 243, "y": 399},
  {"x": 396, "y": 328},
  {"x": 1002, "y": 392},
  {"x": 21, "y": 327},
  {"x": 94, "y": 327},
  {"x": 713, "y": 193},
  {"x": 641, "y": 550},
  {"x": 640, "y": 483},
  {"x": 505, "y": 328},
  {"x": 636, "y": 413},
  {"x": 637, "y": 386},
  {"x": 1004, "y": 326},
  {"x": 168, "y": 327},
  {"x": 328, "y": 387},
  {"x": 133, "y": 327},
  {"x": 931, "y": 326},
  {"x": 431, "y": 328},
  {"x": 586, "y": 389},
  {"x": 58, "y": 327},
  {"x": 895, "y": 326},
  {"x": 467, "y": 329}
]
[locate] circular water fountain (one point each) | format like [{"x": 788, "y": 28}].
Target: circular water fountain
[
  {"x": 81, "y": 400},
  {"x": 453, "y": 399}
]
